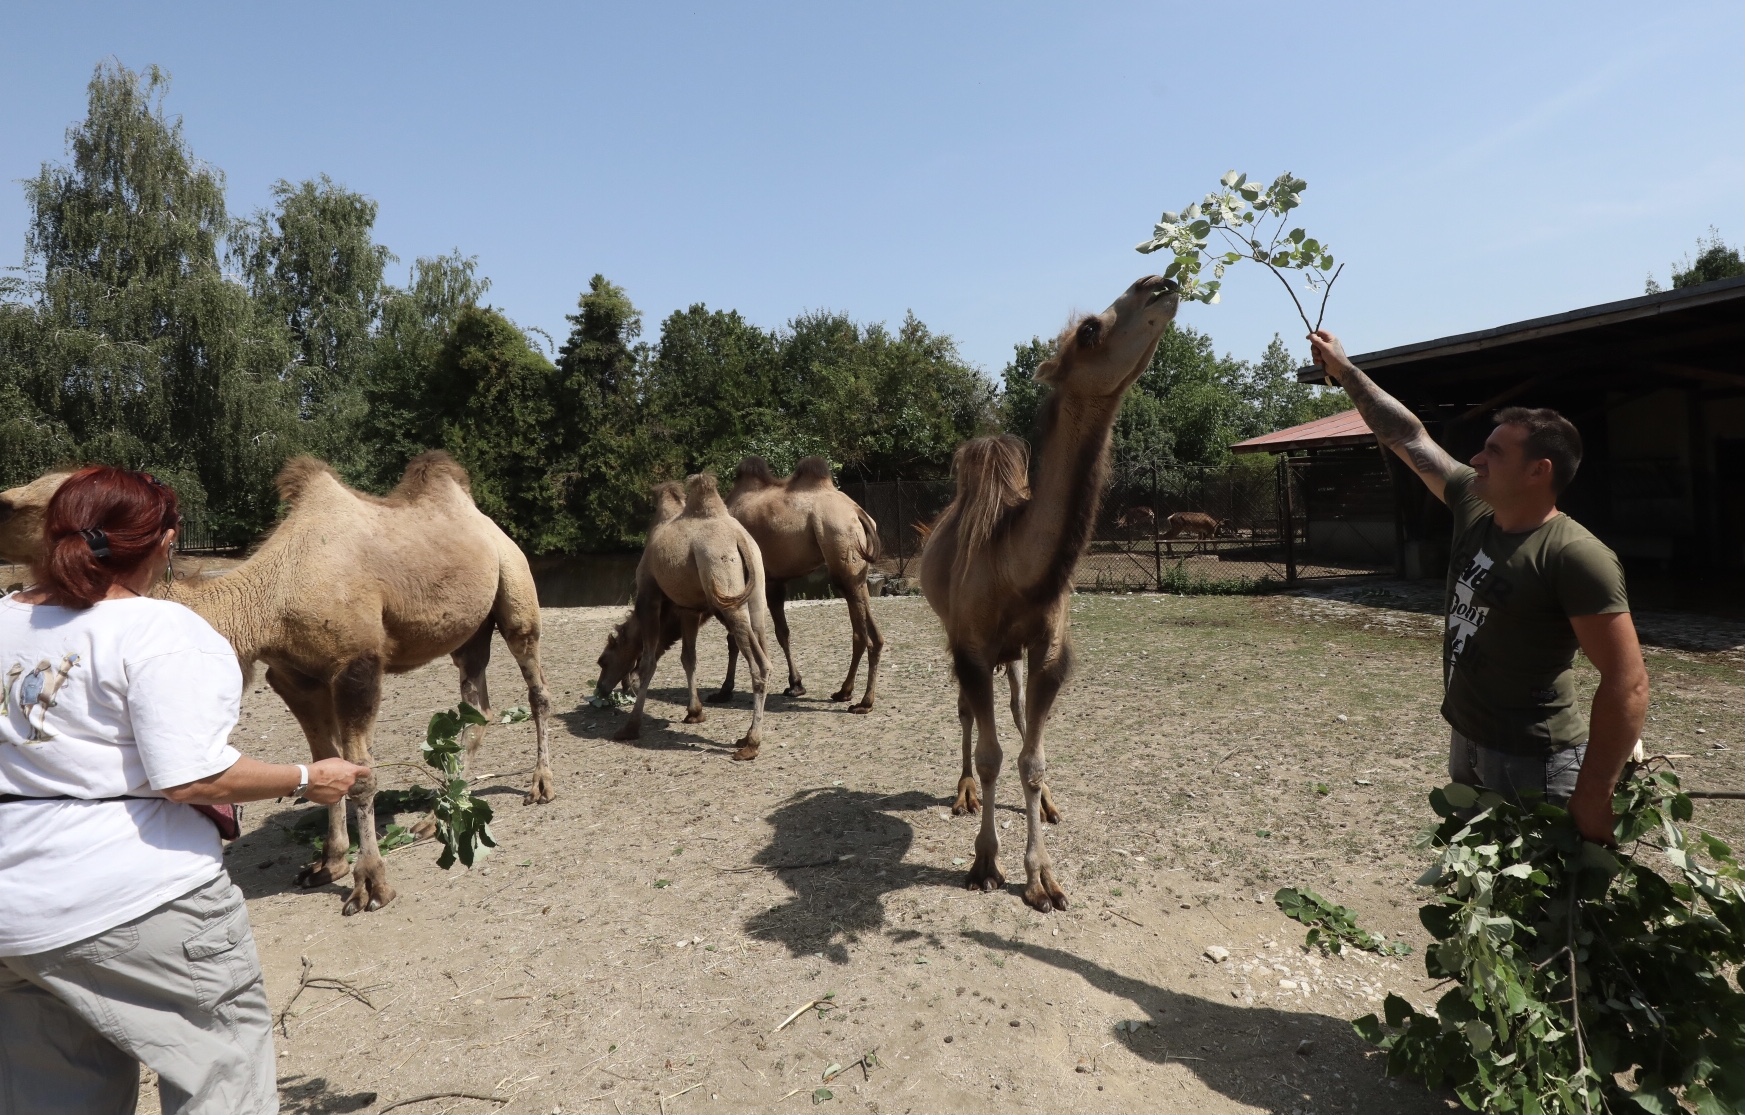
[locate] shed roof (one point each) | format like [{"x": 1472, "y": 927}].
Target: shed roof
[{"x": 1345, "y": 428}]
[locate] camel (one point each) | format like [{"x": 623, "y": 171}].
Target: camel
[
  {"x": 800, "y": 523},
  {"x": 998, "y": 566},
  {"x": 349, "y": 587},
  {"x": 698, "y": 562}
]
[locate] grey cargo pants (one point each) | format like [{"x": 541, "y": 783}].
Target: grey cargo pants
[
  {"x": 1486, "y": 768},
  {"x": 177, "y": 989}
]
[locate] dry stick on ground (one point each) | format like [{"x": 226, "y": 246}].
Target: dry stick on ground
[
  {"x": 320, "y": 983},
  {"x": 443, "y": 1096},
  {"x": 790, "y": 1018}
]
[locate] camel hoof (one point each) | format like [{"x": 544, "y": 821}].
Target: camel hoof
[
  {"x": 861, "y": 707},
  {"x": 1044, "y": 894},
  {"x": 424, "y": 829},
  {"x": 798, "y": 690},
  {"x": 746, "y": 753},
  {"x": 720, "y": 697},
  {"x": 985, "y": 875},
  {"x": 540, "y": 793},
  {"x": 696, "y": 716},
  {"x": 361, "y": 901},
  {"x": 631, "y": 730},
  {"x": 320, "y": 873},
  {"x": 842, "y": 695},
  {"x": 967, "y": 799}
]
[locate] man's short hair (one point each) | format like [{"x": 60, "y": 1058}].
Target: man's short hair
[{"x": 1549, "y": 436}]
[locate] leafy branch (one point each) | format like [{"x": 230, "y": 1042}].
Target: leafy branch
[
  {"x": 1248, "y": 223},
  {"x": 1585, "y": 979},
  {"x": 463, "y": 822},
  {"x": 1332, "y": 926}
]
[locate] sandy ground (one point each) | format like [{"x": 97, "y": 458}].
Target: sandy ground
[{"x": 634, "y": 945}]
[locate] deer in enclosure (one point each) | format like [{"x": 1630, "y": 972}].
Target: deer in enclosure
[
  {"x": 350, "y": 587},
  {"x": 802, "y": 523},
  {"x": 699, "y": 562},
  {"x": 1193, "y": 524},
  {"x": 1137, "y": 521},
  {"x": 998, "y": 566}
]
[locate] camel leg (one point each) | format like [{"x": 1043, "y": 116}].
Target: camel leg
[
  {"x": 471, "y": 660},
  {"x": 757, "y": 662},
  {"x": 866, "y": 638},
  {"x": 976, "y": 684},
  {"x": 522, "y": 635},
  {"x": 725, "y": 693},
  {"x": 968, "y": 801},
  {"x": 651, "y": 617},
  {"x": 357, "y": 693},
  {"x": 688, "y": 624},
  {"x": 312, "y": 704},
  {"x": 1015, "y": 683},
  {"x": 776, "y": 593},
  {"x": 1048, "y": 669}
]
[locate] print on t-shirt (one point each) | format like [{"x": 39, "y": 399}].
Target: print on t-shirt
[
  {"x": 36, "y": 694},
  {"x": 1465, "y": 614}
]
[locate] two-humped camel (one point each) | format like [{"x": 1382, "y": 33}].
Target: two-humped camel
[
  {"x": 347, "y": 588},
  {"x": 699, "y": 562},
  {"x": 999, "y": 562},
  {"x": 801, "y": 523}
]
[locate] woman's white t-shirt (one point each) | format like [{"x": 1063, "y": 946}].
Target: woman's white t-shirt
[{"x": 128, "y": 696}]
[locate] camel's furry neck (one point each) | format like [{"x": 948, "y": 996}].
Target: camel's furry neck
[
  {"x": 243, "y": 604},
  {"x": 1071, "y": 468}
]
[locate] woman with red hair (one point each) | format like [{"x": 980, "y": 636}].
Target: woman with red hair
[{"x": 122, "y": 939}]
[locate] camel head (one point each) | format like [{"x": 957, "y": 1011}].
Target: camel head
[
  {"x": 618, "y": 661},
  {"x": 1102, "y": 354},
  {"x": 21, "y": 517}
]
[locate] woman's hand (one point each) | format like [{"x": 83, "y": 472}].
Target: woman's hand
[{"x": 331, "y": 779}]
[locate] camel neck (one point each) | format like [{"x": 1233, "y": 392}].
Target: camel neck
[
  {"x": 234, "y": 603},
  {"x": 1066, "y": 487}
]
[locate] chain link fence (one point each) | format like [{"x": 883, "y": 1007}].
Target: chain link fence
[{"x": 1167, "y": 527}]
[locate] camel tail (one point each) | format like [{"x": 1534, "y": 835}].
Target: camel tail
[
  {"x": 725, "y": 604},
  {"x": 992, "y": 478},
  {"x": 873, "y": 547}
]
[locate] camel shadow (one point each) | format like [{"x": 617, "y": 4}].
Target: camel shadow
[
  {"x": 840, "y": 852},
  {"x": 657, "y": 734},
  {"x": 264, "y": 861},
  {"x": 1247, "y": 1053},
  {"x": 311, "y": 1095}
]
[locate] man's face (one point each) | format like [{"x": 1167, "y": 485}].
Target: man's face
[{"x": 1506, "y": 471}]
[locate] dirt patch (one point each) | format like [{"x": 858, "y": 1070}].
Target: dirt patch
[{"x": 632, "y": 946}]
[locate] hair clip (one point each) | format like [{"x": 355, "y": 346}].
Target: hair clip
[{"x": 98, "y": 541}]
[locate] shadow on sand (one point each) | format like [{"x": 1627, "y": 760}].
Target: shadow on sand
[
  {"x": 840, "y": 851},
  {"x": 1249, "y": 1054},
  {"x": 310, "y": 1095}
]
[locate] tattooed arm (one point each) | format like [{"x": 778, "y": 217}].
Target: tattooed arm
[{"x": 1396, "y": 427}]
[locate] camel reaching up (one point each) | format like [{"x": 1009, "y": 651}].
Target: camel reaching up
[
  {"x": 800, "y": 523},
  {"x": 698, "y": 562},
  {"x": 347, "y": 588},
  {"x": 999, "y": 562}
]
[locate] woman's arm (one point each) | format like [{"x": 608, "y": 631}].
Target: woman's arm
[{"x": 252, "y": 780}]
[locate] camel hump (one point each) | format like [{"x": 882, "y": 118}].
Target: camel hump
[
  {"x": 298, "y": 474},
  {"x": 810, "y": 473},
  {"x": 754, "y": 472},
  {"x": 703, "y": 496},
  {"x": 428, "y": 470},
  {"x": 669, "y": 502}
]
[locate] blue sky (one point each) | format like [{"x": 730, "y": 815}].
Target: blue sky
[{"x": 989, "y": 166}]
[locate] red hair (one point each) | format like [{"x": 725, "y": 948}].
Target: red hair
[{"x": 102, "y": 524}]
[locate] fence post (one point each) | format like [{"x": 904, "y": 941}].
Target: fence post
[
  {"x": 902, "y": 566},
  {"x": 1156, "y": 546},
  {"x": 1288, "y": 519}
]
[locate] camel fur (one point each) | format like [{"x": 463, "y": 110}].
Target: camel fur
[
  {"x": 998, "y": 565},
  {"x": 802, "y": 523},
  {"x": 698, "y": 562},
  {"x": 348, "y": 588}
]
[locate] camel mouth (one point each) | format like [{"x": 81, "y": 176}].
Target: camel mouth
[{"x": 1165, "y": 288}]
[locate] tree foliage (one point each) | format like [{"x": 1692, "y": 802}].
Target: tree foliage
[{"x": 1715, "y": 260}]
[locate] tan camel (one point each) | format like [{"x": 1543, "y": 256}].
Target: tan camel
[
  {"x": 801, "y": 523},
  {"x": 349, "y": 587},
  {"x": 999, "y": 563},
  {"x": 699, "y": 562}
]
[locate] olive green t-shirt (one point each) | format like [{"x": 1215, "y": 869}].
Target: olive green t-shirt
[{"x": 1509, "y": 650}]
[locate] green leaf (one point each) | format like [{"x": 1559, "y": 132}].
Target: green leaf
[
  {"x": 1460, "y": 796},
  {"x": 819, "y": 1095},
  {"x": 515, "y": 715},
  {"x": 1369, "y": 1029},
  {"x": 1397, "y": 1010}
]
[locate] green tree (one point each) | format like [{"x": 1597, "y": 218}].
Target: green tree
[
  {"x": 712, "y": 391},
  {"x": 125, "y": 342},
  {"x": 1020, "y": 395},
  {"x": 402, "y": 416},
  {"x": 1715, "y": 260},
  {"x": 312, "y": 263}
]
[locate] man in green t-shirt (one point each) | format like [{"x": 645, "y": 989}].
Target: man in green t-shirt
[{"x": 1527, "y": 585}]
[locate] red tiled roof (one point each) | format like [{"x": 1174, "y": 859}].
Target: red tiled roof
[{"x": 1345, "y": 428}]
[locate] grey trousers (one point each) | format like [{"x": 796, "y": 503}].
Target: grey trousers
[
  {"x": 1552, "y": 777},
  {"x": 178, "y": 989}
]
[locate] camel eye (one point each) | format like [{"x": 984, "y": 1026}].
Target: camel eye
[{"x": 1090, "y": 331}]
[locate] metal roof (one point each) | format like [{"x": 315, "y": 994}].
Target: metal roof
[{"x": 1345, "y": 428}]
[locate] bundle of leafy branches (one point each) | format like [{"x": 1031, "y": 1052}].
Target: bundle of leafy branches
[
  {"x": 1248, "y": 222},
  {"x": 463, "y": 822},
  {"x": 1332, "y": 927},
  {"x": 1584, "y": 979}
]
